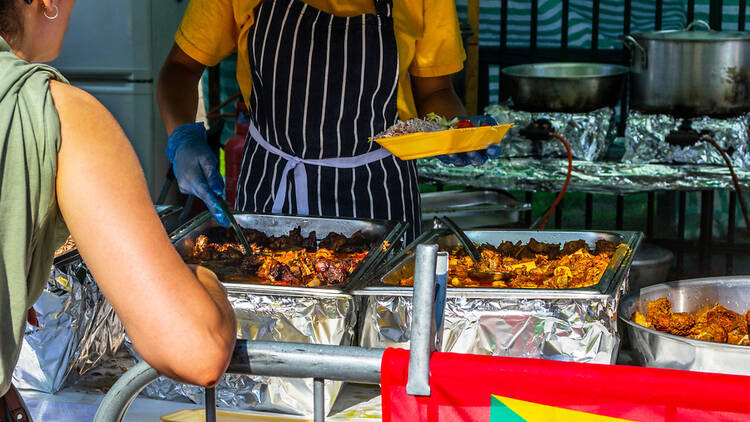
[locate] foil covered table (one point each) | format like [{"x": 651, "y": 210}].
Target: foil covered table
[
  {"x": 548, "y": 175},
  {"x": 78, "y": 329}
]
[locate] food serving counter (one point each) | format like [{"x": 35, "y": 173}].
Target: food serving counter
[
  {"x": 315, "y": 315},
  {"x": 577, "y": 324}
]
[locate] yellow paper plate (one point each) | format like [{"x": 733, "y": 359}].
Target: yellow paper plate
[{"x": 452, "y": 141}]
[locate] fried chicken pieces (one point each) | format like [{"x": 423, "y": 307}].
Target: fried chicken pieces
[
  {"x": 532, "y": 265},
  {"x": 717, "y": 324}
]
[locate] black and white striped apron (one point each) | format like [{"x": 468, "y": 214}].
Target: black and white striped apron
[{"x": 322, "y": 85}]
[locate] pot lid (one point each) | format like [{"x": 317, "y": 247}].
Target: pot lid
[{"x": 695, "y": 36}]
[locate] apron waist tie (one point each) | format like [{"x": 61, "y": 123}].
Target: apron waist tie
[{"x": 300, "y": 176}]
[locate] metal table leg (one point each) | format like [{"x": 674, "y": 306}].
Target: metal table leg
[
  {"x": 319, "y": 399},
  {"x": 210, "y": 404}
]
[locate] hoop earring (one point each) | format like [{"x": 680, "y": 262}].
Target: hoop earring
[{"x": 57, "y": 12}]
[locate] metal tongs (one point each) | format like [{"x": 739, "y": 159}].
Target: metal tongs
[
  {"x": 473, "y": 252},
  {"x": 236, "y": 227}
]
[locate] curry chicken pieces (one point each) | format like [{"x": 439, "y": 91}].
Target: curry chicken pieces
[
  {"x": 530, "y": 266},
  {"x": 291, "y": 260},
  {"x": 717, "y": 324}
]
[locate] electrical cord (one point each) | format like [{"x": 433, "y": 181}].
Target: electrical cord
[
  {"x": 554, "y": 205},
  {"x": 735, "y": 181}
]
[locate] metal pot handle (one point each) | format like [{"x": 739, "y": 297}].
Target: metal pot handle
[
  {"x": 698, "y": 22},
  {"x": 629, "y": 42}
]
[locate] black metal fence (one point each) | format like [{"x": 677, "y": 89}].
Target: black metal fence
[
  {"x": 504, "y": 55},
  {"x": 708, "y": 245}
]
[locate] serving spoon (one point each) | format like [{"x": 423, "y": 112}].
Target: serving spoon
[{"x": 473, "y": 252}]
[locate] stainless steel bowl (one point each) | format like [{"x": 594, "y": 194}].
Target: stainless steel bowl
[
  {"x": 566, "y": 87},
  {"x": 661, "y": 350}
]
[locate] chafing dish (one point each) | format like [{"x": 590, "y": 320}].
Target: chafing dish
[
  {"x": 657, "y": 349},
  {"x": 573, "y": 324},
  {"x": 316, "y": 315}
]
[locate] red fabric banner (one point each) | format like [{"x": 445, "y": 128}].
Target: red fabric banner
[{"x": 463, "y": 385}]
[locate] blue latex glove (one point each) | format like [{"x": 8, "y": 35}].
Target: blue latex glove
[
  {"x": 474, "y": 158},
  {"x": 196, "y": 168}
]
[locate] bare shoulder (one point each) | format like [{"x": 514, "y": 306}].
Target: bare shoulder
[
  {"x": 68, "y": 98},
  {"x": 82, "y": 116}
]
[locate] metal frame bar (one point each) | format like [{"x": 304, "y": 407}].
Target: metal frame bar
[
  {"x": 421, "y": 344},
  {"x": 731, "y": 227},
  {"x": 534, "y": 23},
  {"x": 658, "y": 14},
  {"x": 589, "y": 212},
  {"x": 210, "y": 402},
  {"x": 595, "y": 29},
  {"x": 706, "y": 230},
  {"x": 742, "y": 9},
  {"x": 715, "y": 11}
]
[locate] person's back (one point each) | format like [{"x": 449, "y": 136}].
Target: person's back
[{"x": 64, "y": 157}]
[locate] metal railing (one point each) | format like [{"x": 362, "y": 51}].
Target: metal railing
[{"x": 319, "y": 362}]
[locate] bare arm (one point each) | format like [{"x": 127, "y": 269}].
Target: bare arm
[
  {"x": 436, "y": 95},
  {"x": 177, "y": 88},
  {"x": 179, "y": 319}
]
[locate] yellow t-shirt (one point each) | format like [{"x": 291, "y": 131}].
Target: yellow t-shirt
[{"x": 427, "y": 36}]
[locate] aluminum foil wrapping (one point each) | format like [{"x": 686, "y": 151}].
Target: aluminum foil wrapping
[
  {"x": 645, "y": 140},
  {"x": 309, "y": 319},
  {"x": 589, "y": 134},
  {"x": 80, "y": 338},
  {"x": 78, "y": 330},
  {"x": 593, "y": 177},
  {"x": 570, "y": 329}
]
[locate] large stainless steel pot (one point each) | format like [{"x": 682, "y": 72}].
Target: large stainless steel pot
[
  {"x": 690, "y": 73},
  {"x": 565, "y": 87},
  {"x": 661, "y": 350}
]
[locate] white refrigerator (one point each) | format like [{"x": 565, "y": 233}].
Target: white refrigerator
[{"x": 114, "y": 49}]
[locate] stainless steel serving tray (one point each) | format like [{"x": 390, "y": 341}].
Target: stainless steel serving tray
[
  {"x": 578, "y": 325},
  {"x": 657, "y": 349},
  {"x": 278, "y": 225},
  {"x": 472, "y": 208},
  {"x": 386, "y": 283}
]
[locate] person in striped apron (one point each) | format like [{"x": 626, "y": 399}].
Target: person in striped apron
[{"x": 320, "y": 77}]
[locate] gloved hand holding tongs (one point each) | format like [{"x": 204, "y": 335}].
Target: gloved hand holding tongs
[
  {"x": 196, "y": 168},
  {"x": 474, "y": 158}
]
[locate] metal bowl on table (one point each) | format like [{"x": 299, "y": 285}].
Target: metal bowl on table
[
  {"x": 565, "y": 87},
  {"x": 661, "y": 350}
]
